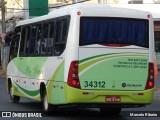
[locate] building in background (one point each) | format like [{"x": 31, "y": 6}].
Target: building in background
[
  {"x": 37, "y": 7},
  {"x": 157, "y": 39},
  {"x": 55, "y": 3},
  {"x": 13, "y": 14},
  {"x": 17, "y": 10},
  {"x": 75, "y": 1},
  {"x": 135, "y": 2},
  {"x": 108, "y": 1},
  {"x": 157, "y": 1}
]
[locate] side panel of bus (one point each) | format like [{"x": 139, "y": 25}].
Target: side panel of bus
[
  {"x": 28, "y": 73},
  {"x": 40, "y": 60}
]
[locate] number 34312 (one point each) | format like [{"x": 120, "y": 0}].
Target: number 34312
[{"x": 94, "y": 84}]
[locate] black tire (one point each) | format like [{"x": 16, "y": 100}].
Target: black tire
[
  {"x": 13, "y": 98},
  {"x": 48, "y": 108},
  {"x": 110, "y": 111}
]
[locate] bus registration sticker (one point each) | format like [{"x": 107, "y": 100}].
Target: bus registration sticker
[{"x": 113, "y": 99}]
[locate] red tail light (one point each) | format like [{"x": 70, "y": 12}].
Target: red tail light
[
  {"x": 150, "y": 80},
  {"x": 73, "y": 78}
]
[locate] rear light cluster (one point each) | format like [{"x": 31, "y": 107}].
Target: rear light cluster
[
  {"x": 73, "y": 78},
  {"x": 150, "y": 80}
]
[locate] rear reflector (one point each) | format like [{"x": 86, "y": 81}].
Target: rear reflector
[{"x": 151, "y": 84}]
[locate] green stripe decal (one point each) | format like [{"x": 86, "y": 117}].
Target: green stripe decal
[
  {"x": 113, "y": 70},
  {"x": 87, "y": 64},
  {"x": 57, "y": 76},
  {"x": 89, "y": 58},
  {"x": 60, "y": 69},
  {"x": 30, "y": 66},
  {"x": 30, "y": 93}
]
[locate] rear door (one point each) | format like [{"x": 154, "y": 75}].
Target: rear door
[{"x": 113, "y": 53}]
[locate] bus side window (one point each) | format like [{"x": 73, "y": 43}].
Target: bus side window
[
  {"x": 32, "y": 40},
  {"x": 22, "y": 43},
  {"x": 38, "y": 39},
  {"x": 27, "y": 38},
  {"x": 14, "y": 46},
  {"x": 50, "y": 42},
  {"x": 58, "y": 27},
  {"x": 61, "y": 36},
  {"x": 44, "y": 39},
  {"x": 65, "y": 31}
]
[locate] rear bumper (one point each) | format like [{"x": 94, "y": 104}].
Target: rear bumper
[{"x": 97, "y": 97}]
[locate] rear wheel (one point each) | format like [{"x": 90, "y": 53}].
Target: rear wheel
[
  {"x": 48, "y": 108},
  {"x": 110, "y": 111},
  {"x": 13, "y": 98}
]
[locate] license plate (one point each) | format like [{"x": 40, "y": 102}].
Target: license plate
[{"x": 113, "y": 99}]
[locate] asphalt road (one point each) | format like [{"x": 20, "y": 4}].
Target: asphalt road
[{"x": 75, "y": 113}]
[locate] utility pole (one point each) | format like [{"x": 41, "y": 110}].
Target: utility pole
[
  {"x": 4, "y": 49},
  {"x": 3, "y": 17},
  {"x": 26, "y": 6}
]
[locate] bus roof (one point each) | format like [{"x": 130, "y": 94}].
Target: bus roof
[
  {"x": 90, "y": 9},
  {"x": 153, "y": 8}
]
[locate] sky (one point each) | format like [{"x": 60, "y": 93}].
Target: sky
[{"x": 144, "y": 1}]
